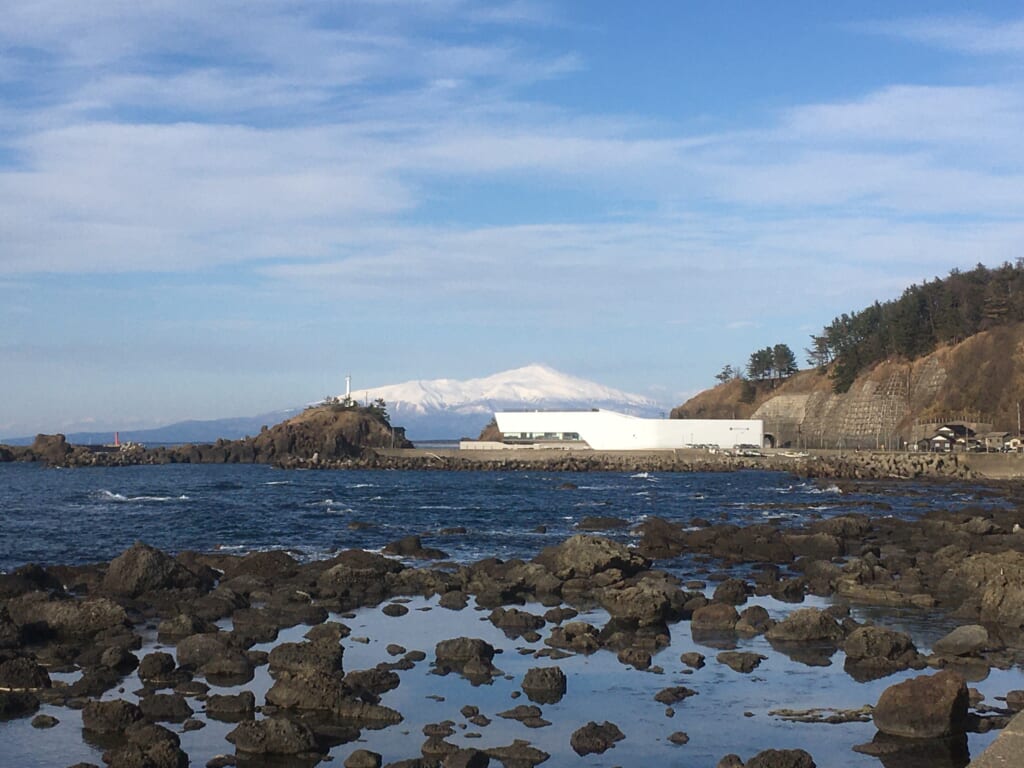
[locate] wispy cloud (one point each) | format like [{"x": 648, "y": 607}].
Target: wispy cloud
[{"x": 964, "y": 33}]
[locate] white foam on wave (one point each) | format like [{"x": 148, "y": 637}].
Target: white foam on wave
[
  {"x": 362, "y": 485},
  {"x": 278, "y": 482},
  {"x": 120, "y": 497}
]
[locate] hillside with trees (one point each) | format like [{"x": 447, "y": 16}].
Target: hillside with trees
[
  {"x": 939, "y": 312},
  {"x": 949, "y": 349}
]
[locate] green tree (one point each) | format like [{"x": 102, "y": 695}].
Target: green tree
[
  {"x": 783, "y": 361},
  {"x": 728, "y": 373}
]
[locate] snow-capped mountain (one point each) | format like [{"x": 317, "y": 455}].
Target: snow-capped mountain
[{"x": 450, "y": 408}]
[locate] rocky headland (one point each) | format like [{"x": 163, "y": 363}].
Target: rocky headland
[{"x": 210, "y": 611}]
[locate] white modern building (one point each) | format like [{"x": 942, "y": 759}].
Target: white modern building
[{"x": 611, "y": 431}]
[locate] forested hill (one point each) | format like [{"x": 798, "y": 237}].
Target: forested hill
[{"x": 939, "y": 312}]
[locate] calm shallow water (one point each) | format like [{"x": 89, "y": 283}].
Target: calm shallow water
[{"x": 85, "y": 515}]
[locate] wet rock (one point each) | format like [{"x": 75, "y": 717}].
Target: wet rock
[
  {"x": 1015, "y": 700},
  {"x": 679, "y": 738},
  {"x": 967, "y": 640},
  {"x": 318, "y": 656},
  {"x": 329, "y": 631},
  {"x": 519, "y": 754},
  {"x": 162, "y": 754},
  {"x": 515, "y": 622},
  {"x": 583, "y": 556},
  {"x": 528, "y": 715},
  {"x": 470, "y": 657},
  {"x": 368, "y": 683},
  {"x": 715, "y": 617},
  {"x": 158, "y": 667},
  {"x": 806, "y": 625},
  {"x": 990, "y": 586},
  {"x": 730, "y": 761},
  {"x": 637, "y": 658},
  {"x": 731, "y": 591},
  {"x": 231, "y": 708},
  {"x": 183, "y": 625},
  {"x": 23, "y": 674},
  {"x": 655, "y": 598},
  {"x": 273, "y": 736},
  {"x": 309, "y": 690},
  {"x": 454, "y": 600},
  {"x": 660, "y": 539},
  {"x": 363, "y": 758},
  {"x": 411, "y": 547},
  {"x": 692, "y": 659},
  {"x": 214, "y": 656},
  {"x": 44, "y": 721},
  {"x": 595, "y": 739},
  {"x": 95, "y": 681},
  {"x": 781, "y": 758},
  {"x": 898, "y": 752},
  {"x": 578, "y": 636},
  {"x": 142, "y": 568},
  {"x": 394, "y": 610},
  {"x": 273, "y": 565},
  {"x": 874, "y": 652},
  {"x": 15, "y": 704},
  {"x": 559, "y": 614},
  {"x": 924, "y": 707},
  {"x": 466, "y": 758},
  {"x": 110, "y": 716},
  {"x": 544, "y": 685},
  {"x": 740, "y": 661},
  {"x": 167, "y": 707},
  {"x": 67, "y": 618},
  {"x": 754, "y": 621},
  {"x": 358, "y": 578},
  {"x": 673, "y": 695}
]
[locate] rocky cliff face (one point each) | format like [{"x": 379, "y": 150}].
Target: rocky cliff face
[{"x": 978, "y": 381}]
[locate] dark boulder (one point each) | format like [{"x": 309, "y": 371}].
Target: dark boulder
[
  {"x": 544, "y": 685},
  {"x": 142, "y": 568},
  {"x": 781, "y": 758},
  {"x": 15, "y": 704},
  {"x": 595, "y": 739},
  {"x": 583, "y": 556},
  {"x": 873, "y": 652},
  {"x": 925, "y": 707},
  {"x": 740, "y": 661},
  {"x": 273, "y": 736},
  {"x": 320, "y": 656},
  {"x": 165, "y": 707},
  {"x": 806, "y": 625},
  {"x": 411, "y": 547},
  {"x": 23, "y": 674},
  {"x": 231, "y": 708},
  {"x": 715, "y": 617},
  {"x": 470, "y": 657},
  {"x": 110, "y": 716}
]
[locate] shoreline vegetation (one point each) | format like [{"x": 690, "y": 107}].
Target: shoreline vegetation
[{"x": 211, "y": 609}]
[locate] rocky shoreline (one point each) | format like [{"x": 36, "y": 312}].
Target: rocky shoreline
[
  {"x": 53, "y": 450},
  {"x": 213, "y": 608}
]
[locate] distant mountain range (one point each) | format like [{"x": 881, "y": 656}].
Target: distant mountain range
[{"x": 438, "y": 409}]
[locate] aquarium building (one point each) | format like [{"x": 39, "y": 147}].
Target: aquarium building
[{"x": 612, "y": 431}]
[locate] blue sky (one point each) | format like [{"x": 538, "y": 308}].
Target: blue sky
[{"x": 214, "y": 209}]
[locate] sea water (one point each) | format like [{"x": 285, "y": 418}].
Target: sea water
[{"x": 87, "y": 515}]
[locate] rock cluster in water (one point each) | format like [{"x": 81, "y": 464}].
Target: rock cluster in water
[{"x": 89, "y": 618}]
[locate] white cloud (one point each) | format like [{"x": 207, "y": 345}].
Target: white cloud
[{"x": 967, "y": 34}]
